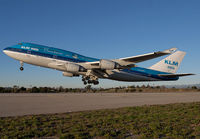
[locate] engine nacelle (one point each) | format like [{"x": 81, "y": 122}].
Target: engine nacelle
[
  {"x": 69, "y": 74},
  {"x": 108, "y": 64},
  {"x": 70, "y": 67}
]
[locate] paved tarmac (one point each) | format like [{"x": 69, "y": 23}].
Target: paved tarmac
[{"x": 28, "y": 104}]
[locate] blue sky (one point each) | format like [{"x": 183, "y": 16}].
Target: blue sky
[{"x": 98, "y": 28}]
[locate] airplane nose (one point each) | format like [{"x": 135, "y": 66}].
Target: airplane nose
[{"x": 5, "y": 50}]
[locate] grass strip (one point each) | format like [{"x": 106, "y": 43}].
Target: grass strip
[{"x": 158, "y": 121}]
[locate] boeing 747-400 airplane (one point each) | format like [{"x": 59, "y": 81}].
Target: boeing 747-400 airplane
[{"x": 91, "y": 69}]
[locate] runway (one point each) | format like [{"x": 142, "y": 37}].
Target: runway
[{"x": 28, "y": 104}]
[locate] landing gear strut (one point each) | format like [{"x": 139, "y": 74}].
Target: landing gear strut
[
  {"x": 90, "y": 80},
  {"x": 21, "y": 68}
]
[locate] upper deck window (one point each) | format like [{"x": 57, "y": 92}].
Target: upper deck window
[
  {"x": 35, "y": 49},
  {"x": 54, "y": 51}
]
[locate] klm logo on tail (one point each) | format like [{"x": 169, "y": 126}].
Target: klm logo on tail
[{"x": 173, "y": 63}]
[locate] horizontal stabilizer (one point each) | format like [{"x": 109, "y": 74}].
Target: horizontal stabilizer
[{"x": 175, "y": 75}]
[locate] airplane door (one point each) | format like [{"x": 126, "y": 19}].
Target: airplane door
[
  {"x": 54, "y": 56},
  {"x": 28, "y": 52}
]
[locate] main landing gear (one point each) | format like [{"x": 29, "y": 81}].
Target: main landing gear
[
  {"x": 90, "y": 80},
  {"x": 22, "y": 64}
]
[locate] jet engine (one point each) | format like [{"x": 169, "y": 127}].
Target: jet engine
[
  {"x": 70, "y": 67},
  {"x": 69, "y": 74},
  {"x": 108, "y": 64}
]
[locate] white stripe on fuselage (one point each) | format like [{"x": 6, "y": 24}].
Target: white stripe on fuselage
[
  {"x": 47, "y": 62},
  {"x": 34, "y": 59}
]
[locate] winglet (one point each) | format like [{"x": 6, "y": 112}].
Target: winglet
[{"x": 169, "y": 51}]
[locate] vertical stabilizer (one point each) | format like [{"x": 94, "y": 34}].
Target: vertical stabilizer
[{"x": 170, "y": 64}]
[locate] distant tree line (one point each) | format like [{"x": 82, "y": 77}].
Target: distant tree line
[
  {"x": 89, "y": 89},
  {"x": 17, "y": 89}
]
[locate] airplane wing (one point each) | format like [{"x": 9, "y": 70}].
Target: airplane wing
[
  {"x": 144, "y": 57},
  {"x": 128, "y": 62}
]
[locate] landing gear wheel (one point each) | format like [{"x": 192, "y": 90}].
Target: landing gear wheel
[
  {"x": 21, "y": 68},
  {"x": 87, "y": 78},
  {"x": 90, "y": 80},
  {"x": 96, "y": 82},
  {"x": 84, "y": 82},
  {"x": 83, "y": 79}
]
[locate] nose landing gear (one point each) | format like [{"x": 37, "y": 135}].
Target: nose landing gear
[{"x": 21, "y": 68}]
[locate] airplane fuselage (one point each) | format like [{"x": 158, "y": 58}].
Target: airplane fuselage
[{"x": 52, "y": 57}]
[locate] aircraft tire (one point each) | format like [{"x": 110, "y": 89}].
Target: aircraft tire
[
  {"x": 89, "y": 81},
  {"x": 95, "y": 82},
  {"x": 21, "y": 68},
  {"x": 84, "y": 82}
]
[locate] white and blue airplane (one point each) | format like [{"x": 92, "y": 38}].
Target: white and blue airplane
[{"x": 91, "y": 69}]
